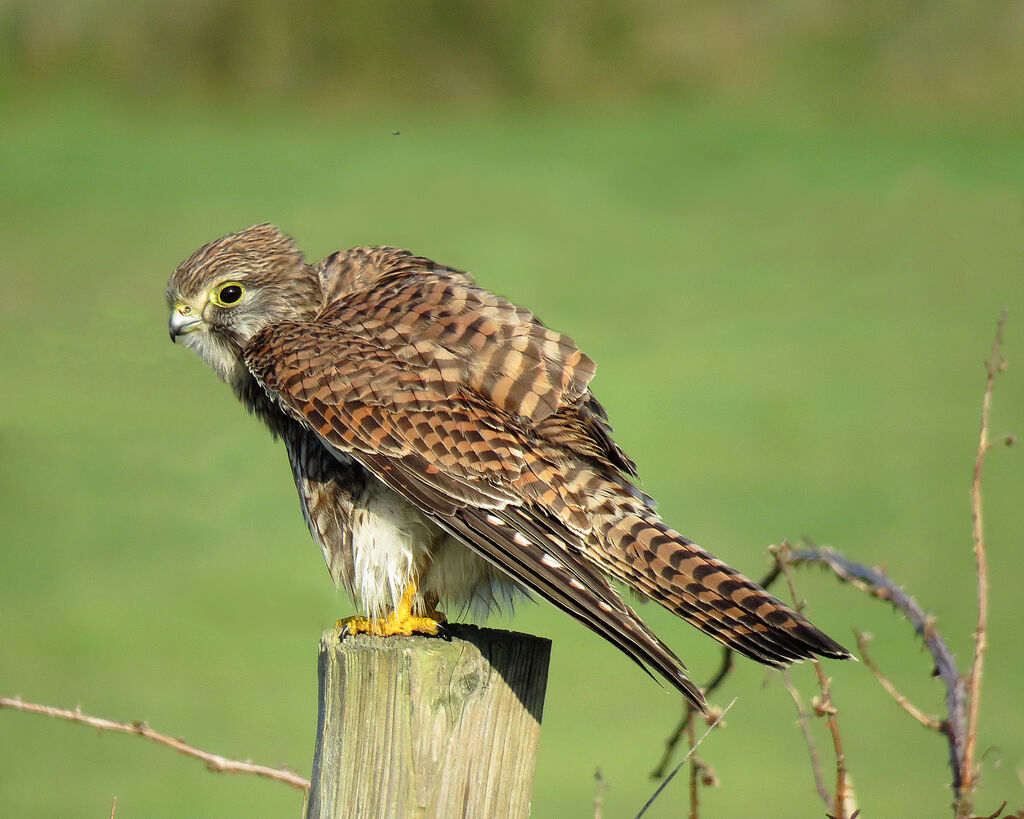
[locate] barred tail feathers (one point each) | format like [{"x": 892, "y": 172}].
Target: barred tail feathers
[{"x": 709, "y": 594}]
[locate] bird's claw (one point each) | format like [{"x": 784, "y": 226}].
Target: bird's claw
[{"x": 395, "y": 625}]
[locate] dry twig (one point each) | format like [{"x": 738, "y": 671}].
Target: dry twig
[
  {"x": 695, "y": 766},
  {"x": 995, "y": 365},
  {"x": 601, "y": 787},
  {"x": 213, "y": 762},
  {"x": 927, "y": 720},
  {"x": 812, "y": 749},
  {"x": 823, "y": 705}
]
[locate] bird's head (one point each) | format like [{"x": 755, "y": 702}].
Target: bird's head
[{"x": 230, "y": 289}]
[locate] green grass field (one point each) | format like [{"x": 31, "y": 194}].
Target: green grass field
[{"x": 790, "y": 317}]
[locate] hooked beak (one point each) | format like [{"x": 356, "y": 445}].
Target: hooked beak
[{"x": 182, "y": 322}]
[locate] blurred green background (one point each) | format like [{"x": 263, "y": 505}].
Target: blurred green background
[{"x": 785, "y": 231}]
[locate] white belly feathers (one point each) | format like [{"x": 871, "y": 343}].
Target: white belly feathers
[{"x": 393, "y": 543}]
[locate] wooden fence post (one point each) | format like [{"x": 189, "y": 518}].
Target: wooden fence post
[{"x": 423, "y": 727}]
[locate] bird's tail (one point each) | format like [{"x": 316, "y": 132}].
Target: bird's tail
[{"x": 711, "y": 595}]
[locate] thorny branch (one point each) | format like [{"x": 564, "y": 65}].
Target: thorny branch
[
  {"x": 875, "y": 583},
  {"x": 959, "y": 726},
  {"x": 214, "y": 762}
]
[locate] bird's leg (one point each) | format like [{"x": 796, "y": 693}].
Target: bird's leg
[{"x": 401, "y": 621}]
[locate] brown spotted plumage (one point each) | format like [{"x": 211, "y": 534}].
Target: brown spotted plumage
[{"x": 443, "y": 437}]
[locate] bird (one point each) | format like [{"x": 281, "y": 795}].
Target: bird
[{"x": 449, "y": 453}]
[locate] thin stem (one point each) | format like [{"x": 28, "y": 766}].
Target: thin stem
[
  {"x": 694, "y": 774},
  {"x": 823, "y": 706},
  {"x": 601, "y": 786},
  {"x": 928, "y": 721},
  {"x": 826, "y": 707},
  {"x": 682, "y": 762},
  {"x": 812, "y": 749},
  {"x": 993, "y": 367},
  {"x": 214, "y": 762}
]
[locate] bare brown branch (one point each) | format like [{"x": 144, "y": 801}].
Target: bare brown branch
[
  {"x": 213, "y": 762},
  {"x": 993, "y": 367},
  {"x": 928, "y": 721},
  {"x": 812, "y": 749},
  {"x": 601, "y": 785},
  {"x": 701, "y": 774},
  {"x": 823, "y": 705}
]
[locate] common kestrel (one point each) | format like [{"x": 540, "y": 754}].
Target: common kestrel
[{"x": 448, "y": 451}]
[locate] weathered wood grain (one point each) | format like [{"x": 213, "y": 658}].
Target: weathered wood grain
[{"x": 423, "y": 727}]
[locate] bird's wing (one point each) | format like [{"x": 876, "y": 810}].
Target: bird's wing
[{"x": 442, "y": 412}]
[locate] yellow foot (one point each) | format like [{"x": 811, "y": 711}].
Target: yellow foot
[
  {"x": 392, "y": 625},
  {"x": 401, "y": 621}
]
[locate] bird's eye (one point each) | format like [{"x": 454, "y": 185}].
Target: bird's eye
[{"x": 227, "y": 294}]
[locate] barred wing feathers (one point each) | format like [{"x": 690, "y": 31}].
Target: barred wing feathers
[
  {"x": 453, "y": 457},
  {"x": 482, "y": 417}
]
